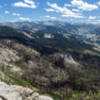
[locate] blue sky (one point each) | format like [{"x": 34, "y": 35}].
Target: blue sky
[{"x": 65, "y": 10}]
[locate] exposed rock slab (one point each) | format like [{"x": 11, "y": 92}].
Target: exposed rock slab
[{"x": 14, "y": 92}]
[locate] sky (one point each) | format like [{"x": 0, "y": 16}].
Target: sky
[{"x": 41, "y": 10}]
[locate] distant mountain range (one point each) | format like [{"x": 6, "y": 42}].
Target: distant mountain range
[{"x": 85, "y": 32}]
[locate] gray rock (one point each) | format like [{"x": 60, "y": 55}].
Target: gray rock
[{"x": 14, "y": 92}]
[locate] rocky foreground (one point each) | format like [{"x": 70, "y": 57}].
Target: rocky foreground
[{"x": 14, "y": 92}]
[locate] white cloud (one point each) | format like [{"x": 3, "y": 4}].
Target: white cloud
[
  {"x": 92, "y": 17},
  {"x": 7, "y": 12},
  {"x": 80, "y": 4},
  {"x": 98, "y": 3},
  {"x": 50, "y": 17},
  {"x": 65, "y": 12},
  {"x": 15, "y": 14},
  {"x": 73, "y": 16},
  {"x": 26, "y": 3},
  {"x": 24, "y": 19},
  {"x": 75, "y": 10},
  {"x": 31, "y": 3},
  {"x": 67, "y": 5},
  {"x": 49, "y": 10},
  {"x": 21, "y": 4}
]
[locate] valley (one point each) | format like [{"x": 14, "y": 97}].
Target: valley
[
  {"x": 51, "y": 60},
  {"x": 56, "y": 59}
]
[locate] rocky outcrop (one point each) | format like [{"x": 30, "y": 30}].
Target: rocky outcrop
[
  {"x": 64, "y": 60},
  {"x": 14, "y": 92}
]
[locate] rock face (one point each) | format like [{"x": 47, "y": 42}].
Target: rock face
[
  {"x": 13, "y": 92},
  {"x": 65, "y": 59}
]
